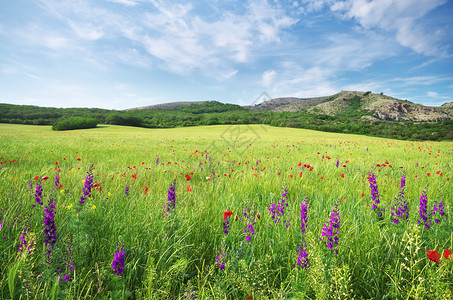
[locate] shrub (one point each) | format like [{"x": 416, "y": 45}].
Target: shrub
[{"x": 75, "y": 123}]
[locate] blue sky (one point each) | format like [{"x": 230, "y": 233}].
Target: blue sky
[{"x": 119, "y": 54}]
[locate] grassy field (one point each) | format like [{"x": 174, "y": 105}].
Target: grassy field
[{"x": 279, "y": 190}]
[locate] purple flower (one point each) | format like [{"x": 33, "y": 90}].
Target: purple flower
[
  {"x": 157, "y": 161},
  {"x": 171, "y": 198},
  {"x": 303, "y": 260},
  {"x": 338, "y": 163},
  {"x": 27, "y": 242},
  {"x": 423, "y": 210},
  {"x": 50, "y": 231},
  {"x": 38, "y": 193},
  {"x": 118, "y": 260},
  {"x": 68, "y": 260},
  {"x": 375, "y": 195},
  {"x": 226, "y": 225},
  {"x": 87, "y": 187},
  {"x": 57, "y": 180},
  {"x": 278, "y": 211},
  {"x": 400, "y": 210},
  {"x": 127, "y": 190},
  {"x": 250, "y": 222},
  {"x": 220, "y": 258},
  {"x": 438, "y": 208},
  {"x": 331, "y": 229}
]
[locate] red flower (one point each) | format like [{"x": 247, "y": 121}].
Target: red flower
[
  {"x": 45, "y": 178},
  {"x": 145, "y": 190},
  {"x": 189, "y": 189},
  {"x": 236, "y": 217},
  {"x": 258, "y": 215},
  {"x": 227, "y": 214},
  {"x": 428, "y": 174},
  {"x": 188, "y": 177},
  {"x": 447, "y": 254},
  {"x": 134, "y": 175},
  {"x": 78, "y": 159},
  {"x": 342, "y": 175},
  {"x": 96, "y": 185},
  {"x": 433, "y": 256},
  {"x": 36, "y": 177},
  {"x": 56, "y": 162}
]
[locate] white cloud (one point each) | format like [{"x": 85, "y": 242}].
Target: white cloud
[
  {"x": 432, "y": 94},
  {"x": 125, "y": 2},
  {"x": 401, "y": 17},
  {"x": 268, "y": 77}
]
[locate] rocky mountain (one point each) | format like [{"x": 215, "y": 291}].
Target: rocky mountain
[{"x": 367, "y": 104}]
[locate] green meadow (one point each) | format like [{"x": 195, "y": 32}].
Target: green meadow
[{"x": 178, "y": 249}]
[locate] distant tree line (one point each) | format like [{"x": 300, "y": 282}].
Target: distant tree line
[{"x": 216, "y": 113}]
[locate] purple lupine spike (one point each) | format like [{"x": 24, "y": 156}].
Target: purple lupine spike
[
  {"x": 438, "y": 208},
  {"x": 87, "y": 186},
  {"x": 118, "y": 260},
  {"x": 171, "y": 198},
  {"x": 57, "y": 180},
  {"x": 220, "y": 258},
  {"x": 278, "y": 211},
  {"x": 126, "y": 191},
  {"x": 226, "y": 225},
  {"x": 400, "y": 209},
  {"x": 338, "y": 163},
  {"x": 423, "y": 210},
  {"x": 50, "y": 231},
  {"x": 375, "y": 195},
  {"x": 38, "y": 193},
  {"x": 331, "y": 229},
  {"x": 303, "y": 260}
]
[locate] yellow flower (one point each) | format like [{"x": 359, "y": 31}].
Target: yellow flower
[
  {"x": 62, "y": 191},
  {"x": 93, "y": 207},
  {"x": 109, "y": 194},
  {"x": 69, "y": 206}
]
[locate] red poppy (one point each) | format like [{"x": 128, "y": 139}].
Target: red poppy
[
  {"x": 45, "y": 178},
  {"x": 250, "y": 297},
  {"x": 56, "y": 162},
  {"x": 145, "y": 190},
  {"x": 189, "y": 189},
  {"x": 36, "y": 177},
  {"x": 134, "y": 175},
  {"x": 433, "y": 256},
  {"x": 59, "y": 186},
  {"x": 428, "y": 174},
  {"x": 188, "y": 177},
  {"x": 96, "y": 185},
  {"x": 447, "y": 254},
  {"x": 78, "y": 159},
  {"x": 227, "y": 214},
  {"x": 258, "y": 215},
  {"x": 342, "y": 175}
]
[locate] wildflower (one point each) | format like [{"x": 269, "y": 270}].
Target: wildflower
[
  {"x": 220, "y": 258},
  {"x": 188, "y": 178},
  {"x": 433, "y": 256},
  {"x": 375, "y": 194},
  {"x": 331, "y": 229},
  {"x": 87, "y": 186},
  {"x": 38, "y": 194},
  {"x": 227, "y": 214},
  {"x": 171, "y": 199},
  {"x": 50, "y": 230},
  {"x": 447, "y": 254},
  {"x": 127, "y": 190},
  {"x": 338, "y": 163},
  {"x": 27, "y": 242},
  {"x": 278, "y": 211},
  {"x": 400, "y": 210},
  {"x": 189, "y": 189},
  {"x": 57, "y": 181},
  {"x": 423, "y": 211},
  {"x": 438, "y": 208},
  {"x": 226, "y": 224},
  {"x": 118, "y": 260},
  {"x": 68, "y": 260},
  {"x": 303, "y": 255}
]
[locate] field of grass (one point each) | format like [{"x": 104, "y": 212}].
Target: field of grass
[{"x": 276, "y": 187}]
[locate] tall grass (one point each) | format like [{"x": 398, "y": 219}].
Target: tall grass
[{"x": 242, "y": 169}]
